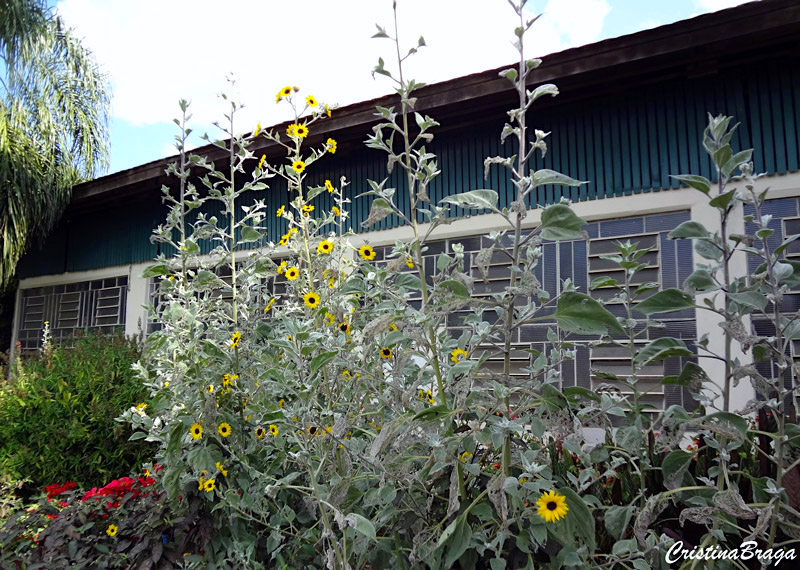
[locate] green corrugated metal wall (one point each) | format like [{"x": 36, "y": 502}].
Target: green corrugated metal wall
[{"x": 623, "y": 144}]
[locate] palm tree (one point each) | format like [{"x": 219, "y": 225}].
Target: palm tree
[{"x": 54, "y": 107}]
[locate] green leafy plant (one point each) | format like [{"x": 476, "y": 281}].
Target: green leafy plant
[
  {"x": 314, "y": 405},
  {"x": 58, "y": 410}
]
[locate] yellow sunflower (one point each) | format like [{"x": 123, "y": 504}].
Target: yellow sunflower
[
  {"x": 224, "y": 429},
  {"x": 269, "y": 305},
  {"x": 284, "y": 239},
  {"x": 336, "y": 212},
  {"x": 552, "y": 507},
  {"x": 307, "y": 208},
  {"x": 285, "y": 92},
  {"x": 311, "y": 102},
  {"x": 344, "y": 327},
  {"x": 312, "y": 430},
  {"x": 298, "y": 166},
  {"x": 112, "y": 530},
  {"x": 366, "y": 252},
  {"x": 235, "y": 338},
  {"x": 329, "y": 319},
  {"x": 209, "y": 485},
  {"x": 260, "y": 431},
  {"x": 392, "y": 327},
  {"x": 458, "y": 355},
  {"x": 273, "y": 429},
  {"x": 297, "y": 131},
  {"x": 311, "y": 300},
  {"x": 258, "y": 130},
  {"x": 386, "y": 352},
  {"x": 327, "y": 111},
  {"x": 222, "y": 469},
  {"x": 282, "y": 267},
  {"x": 280, "y": 211},
  {"x": 325, "y": 247},
  {"x": 261, "y": 161},
  {"x": 292, "y": 273},
  {"x": 409, "y": 263},
  {"x": 331, "y": 283},
  {"x": 329, "y": 186},
  {"x": 210, "y": 389},
  {"x": 196, "y": 431},
  {"x": 330, "y": 146},
  {"x": 466, "y": 456}
]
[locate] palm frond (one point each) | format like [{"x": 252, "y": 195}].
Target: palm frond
[{"x": 54, "y": 108}]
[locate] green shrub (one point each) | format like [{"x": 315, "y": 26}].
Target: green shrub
[{"x": 57, "y": 413}]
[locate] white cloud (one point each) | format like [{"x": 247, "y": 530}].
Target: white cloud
[{"x": 158, "y": 52}]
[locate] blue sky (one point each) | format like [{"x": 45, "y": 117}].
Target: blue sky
[{"x": 157, "y": 52}]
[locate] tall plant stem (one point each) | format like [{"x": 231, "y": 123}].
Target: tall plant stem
[
  {"x": 232, "y": 214},
  {"x": 431, "y": 332},
  {"x": 520, "y": 175}
]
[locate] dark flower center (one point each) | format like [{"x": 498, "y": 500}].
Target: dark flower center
[
  {"x": 551, "y": 506},
  {"x": 312, "y": 430}
]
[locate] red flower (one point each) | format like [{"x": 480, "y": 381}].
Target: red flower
[{"x": 56, "y": 489}]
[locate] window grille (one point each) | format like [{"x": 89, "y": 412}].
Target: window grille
[{"x": 94, "y": 305}]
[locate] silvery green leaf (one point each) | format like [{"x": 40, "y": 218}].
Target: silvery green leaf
[
  {"x": 510, "y": 74},
  {"x": 475, "y": 199},
  {"x": 249, "y": 233},
  {"x": 547, "y": 176},
  {"x": 546, "y": 89},
  {"x": 559, "y": 222}
]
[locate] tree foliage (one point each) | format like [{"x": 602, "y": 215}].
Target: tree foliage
[{"x": 54, "y": 105}]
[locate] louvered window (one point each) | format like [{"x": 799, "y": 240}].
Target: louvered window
[
  {"x": 668, "y": 264},
  {"x": 783, "y": 227},
  {"x": 98, "y": 305},
  {"x": 266, "y": 288}
]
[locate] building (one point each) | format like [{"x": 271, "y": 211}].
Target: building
[{"x": 631, "y": 112}]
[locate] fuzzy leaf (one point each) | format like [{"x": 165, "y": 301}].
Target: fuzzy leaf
[
  {"x": 559, "y": 222},
  {"x": 155, "y": 270},
  {"x": 660, "y": 349},
  {"x": 675, "y": 464},
  {"x": 547, "y": 176},
  {"x": 689, "y": 230},
  {"x": 321, "y": 360},
  {"x": 666, "y": 301},
  {"x": 697, "y": 182},
  {"x": 457, "y": 287},
  {"x": 363, "y": 525},
  {"x": 579, "y": 313},
  {"x": 249, "y": 233},
  {"x": 475, "y": 199}
]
